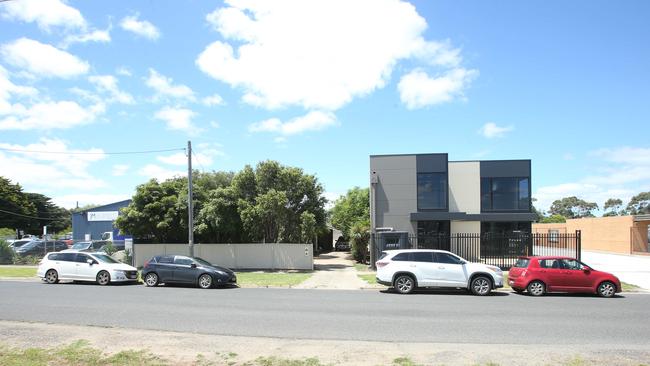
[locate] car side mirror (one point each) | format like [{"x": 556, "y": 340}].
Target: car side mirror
[
  {"x": 586, "y": 269},
  {"x": 90, "y": 261},
  {"x": 193, "y": 265}
]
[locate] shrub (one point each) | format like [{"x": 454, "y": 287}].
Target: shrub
[
  {"x": 109, "y": 248},
  {"x": 6, "y": 253},
  {"x": 360, "y": 237},
  {"x": 29, "y": 260},
  {"x": 128, "y": 257}
]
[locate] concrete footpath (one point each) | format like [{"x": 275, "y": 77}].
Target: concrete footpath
[
  {"x": 335, "y": 271},
  {"x": 634, "y": 269}
]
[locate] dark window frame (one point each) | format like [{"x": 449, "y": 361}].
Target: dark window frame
[
  {"x": 491, "y": 195},
  {"x": 446, "y": 191}
]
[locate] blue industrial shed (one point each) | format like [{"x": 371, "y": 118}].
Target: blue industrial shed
[{"x": 97, "y": 220}]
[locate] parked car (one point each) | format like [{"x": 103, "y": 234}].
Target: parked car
[
  {"x": 187, "y": 270},
  {"x": 97, "y": 267},
  {"x": 540, "y": 275},
  {"x": 341, "y": 245},
  {"x": 38, "y": 247},
  {"x": 18, "y": 243},
  {"x": 406, "y": 270},
  {"x": 87, "y": 246}
]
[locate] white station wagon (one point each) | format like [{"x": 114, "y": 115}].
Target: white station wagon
[
  {"x": 406, "y": 270},
  {"x": 75, "y": 266}
]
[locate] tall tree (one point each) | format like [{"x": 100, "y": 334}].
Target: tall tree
[
  {"x": 612, "y": 207},
  {"x": 573, "y": 208},
  {"x": 54, "y": 217},
  {"x": 351, "y": 209},
  {"x": 639, "y": 204},
  {"x": 15, "y": 206}
]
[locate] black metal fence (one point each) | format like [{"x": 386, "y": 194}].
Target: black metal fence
[{"x": 500, "y": 250}]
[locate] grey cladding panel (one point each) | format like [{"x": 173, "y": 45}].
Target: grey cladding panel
[
  {"x": 432, "y": 163},
  {"x": 389, "y": 162},
  {"x": 505, "y": 168}
]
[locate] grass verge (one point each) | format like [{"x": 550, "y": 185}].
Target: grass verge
[
  {"x": 17, "y": 272},
  {"x": 370, "y": 278},
  {"x": 273, "y": 279}
]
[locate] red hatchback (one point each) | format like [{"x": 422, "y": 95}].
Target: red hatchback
[{"x": 539, "y": 275}]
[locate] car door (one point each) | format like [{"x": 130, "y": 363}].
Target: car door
[
  {"x": 423, "y": 267},
  {"x": 183, "y": 271},
  {"x": 85, "y": 270},
  {"x": 67, "y": 266},
  {"x": 449, "y": 270},
  {"x": 575, "y": 278},
  {"x": 165, "y": 268},
  {"x": 552, "y": 274}
]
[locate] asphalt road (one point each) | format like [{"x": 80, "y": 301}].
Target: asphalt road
[{"x": 337, "y": 315}]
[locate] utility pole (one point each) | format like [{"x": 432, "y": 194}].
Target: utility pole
[{"x": 190, "y": 209}]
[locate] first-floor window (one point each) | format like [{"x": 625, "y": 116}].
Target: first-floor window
[{"x": 506, "y": 228}]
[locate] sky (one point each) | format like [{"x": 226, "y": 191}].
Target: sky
[{"x": 321, "y": 85}]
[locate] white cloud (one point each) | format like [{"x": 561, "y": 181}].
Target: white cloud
[
  {"x": 49, "y": 165},
  {"x": 103, "y": 36},
  {"x": 160, "y": 173},
  {"x": 141, "y": 28},
  {"x": 45, "y": 13},
  {"x": 42, "y": 59},
  {"x": 312, "y": 121},
  {"x": 164, "y": 86},
  {"x": 491, "y": 130},
  {"x": 50, "y": 115},
  {"x": 333, "y": 52},
  {"x": 203, "y": 156},
  {"x": 177, "y": 119},
  {"x": 9, "y": 90},
  {"x": 108, "y": 84},
  {"x": 417, "y": 89},
  {"x": 618, "y": 173},
  {"x": 70, "y": 200},
  {"x": 212, "y": 100},
  {"x": 120, "y": 169},
  {"x": 214, "y": 124},
  {"x": 124, "y": 71}
]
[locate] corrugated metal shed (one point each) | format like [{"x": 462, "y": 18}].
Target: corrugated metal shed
[{"x": 82, "y": 226}]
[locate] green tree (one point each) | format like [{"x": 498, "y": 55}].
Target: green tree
[
  {"x": 307, "y": 227},
  {"x": 56, "y": 218},
  {"x": 219, "y": 220},
  {"x": 359, "y": 238},
  {"x": 553, "y": 219},
  {"x": 613, "y": 207},
  {"x": 15, "y": 206},
  {"x": 264, "y": 219},
  {"x": 539, "y": 213},
  {"x": 639, "y": 204},
  {"x": 350, "y": 209},
  {"x": 573, "y": 208}
]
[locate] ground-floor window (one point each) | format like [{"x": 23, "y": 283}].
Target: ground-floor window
[
  {"x": 506, "y": 228},
  {"x": 433, "y": 234}
]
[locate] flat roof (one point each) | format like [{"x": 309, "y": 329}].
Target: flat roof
[{"x": 451, "y": 161}]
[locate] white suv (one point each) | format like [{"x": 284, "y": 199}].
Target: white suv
[
  {"x": 77, "y": 266},
  {"x": 406, "y": 270}
]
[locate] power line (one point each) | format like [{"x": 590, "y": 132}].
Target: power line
[
  {"x": 198, "y": 161},
  {"x": 30, "y": 217},
  {"x": 91, "y": 153}
]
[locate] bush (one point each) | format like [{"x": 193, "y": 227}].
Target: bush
[
  {"x": 109, "y": 248},
  {"x": 128, "y": 257},
  {"x": 28, "y": 260},
  {"x": 360, "y": 238},
  {"x": 6, "y": 253}
]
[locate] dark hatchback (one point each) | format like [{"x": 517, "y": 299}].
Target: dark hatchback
[
  {"x": 185, "y": 270},
  {"x": 39, "y": 247}
]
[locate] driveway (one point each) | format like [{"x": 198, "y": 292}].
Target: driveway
[
  {"x": 335, "y": 271},
  {"x": 634, "y": 269}
]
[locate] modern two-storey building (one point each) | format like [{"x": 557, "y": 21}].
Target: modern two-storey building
[{"x": 427, "y": 195}]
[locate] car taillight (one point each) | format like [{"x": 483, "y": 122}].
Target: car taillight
[
  {"x": 146, "y": 263},
  {"x": 381, "y": 264}
]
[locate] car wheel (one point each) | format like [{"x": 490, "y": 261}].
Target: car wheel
[
  {"x": 606, "y": 289},
  {"x": 205, "y": 281},
  {"x": 103, "y": 278},
  {"x": 481, "y": 286},
  {"x": 536, "y": 288},
  {"x": 151, "y": 279},
  {"x": 52, "y": 276},
  {"x": 404, "y": 284}
]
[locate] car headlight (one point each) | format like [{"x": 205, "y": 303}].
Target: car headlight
[
  {"x": 221, "y": 273},
  {"x": 495, "y": 269}
]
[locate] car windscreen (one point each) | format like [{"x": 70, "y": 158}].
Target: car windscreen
[
  {"x": 104, "y": 258},
  {"x": 30, "y": 245},
  {"x": 202, "y": 261},
  {"x": 80, "y": 245},
  {"x": 383, "y": 255},
  {"x": 19, "y": 243},
  {"x": 522, "y": 263}
]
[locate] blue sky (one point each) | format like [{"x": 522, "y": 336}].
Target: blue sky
[{"x": 322, "y": 85}]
